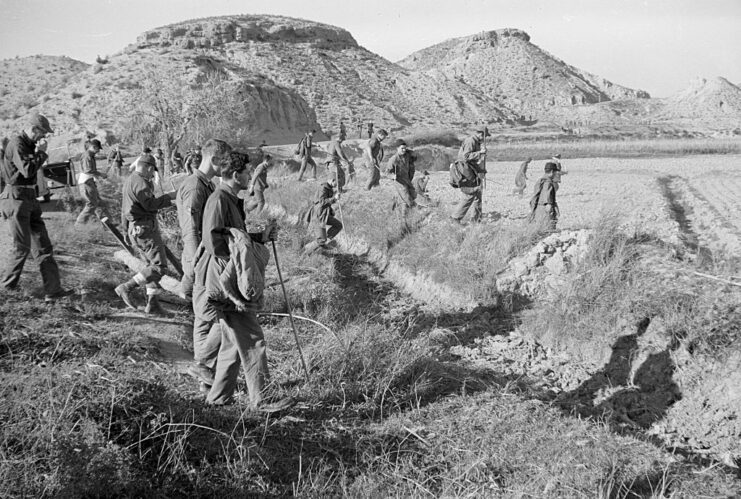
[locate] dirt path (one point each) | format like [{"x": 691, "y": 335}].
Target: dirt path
[{"x": 79, "y": 266}]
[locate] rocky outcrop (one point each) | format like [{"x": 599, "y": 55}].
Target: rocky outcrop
[
  {"x": 705, "y": 99},
  {"x": 544, "y": 267},
  {"x": 504, "y": 64},
  {"x": 215, "y": 32},
  {"x": 339, "y": 79}
]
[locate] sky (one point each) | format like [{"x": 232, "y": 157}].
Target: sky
[{"x": 655, "y": 45}]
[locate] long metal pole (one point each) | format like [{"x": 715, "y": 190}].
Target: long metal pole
[{"x": 290, "y": 313}]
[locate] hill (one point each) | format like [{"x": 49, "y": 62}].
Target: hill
[
  {"x": 507, "y": 66},
  {"x": 294, "y": 75},
  {"x": 705, "y": 99},
  {"x": 95, "y": 99},
  {"x": 26, "y": 81},
  {"x": 327, "y": 67}
]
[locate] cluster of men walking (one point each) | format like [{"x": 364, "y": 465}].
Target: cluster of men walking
[
  {"x": 223, "y": 262},
  {"x": 223, "y": 266}
]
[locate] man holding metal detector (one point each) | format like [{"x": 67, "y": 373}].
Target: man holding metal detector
[{"x": 217, "y": 301}]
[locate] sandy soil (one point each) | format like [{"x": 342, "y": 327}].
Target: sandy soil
[{"x": 675, "y": 199}]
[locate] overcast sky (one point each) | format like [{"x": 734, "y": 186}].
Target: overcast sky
[{"x": 655, "y": 45}]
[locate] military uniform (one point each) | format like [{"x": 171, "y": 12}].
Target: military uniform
[
  {"x": 139, "y": 209},
  {"x": 420, "y": 188},
  {"x": 304, "y": 152},
  {"x": 191, "y": 201},
  {"x": 469, "y": 155},
  {"x": 19, "y": 206},
  {"x": 322, "y": 215},
  {"x": 402, "y": 167},
  {"x": 221, "y": 332},
  {"x": 256, "y": 200},
  {"x": 89, "y": 190},
  {"x": 336, "y": 156},
  {"x": 543, "y": 205},
  {"x": 521, "y": 178},
  {"x": 374, "y": 162},
  {"x": 115, "y": 158}
]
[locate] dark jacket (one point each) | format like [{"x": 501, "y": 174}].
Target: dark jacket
[
  {"x": 139, "y": 205},
  {"x": 22, "y": 161},
  {"x": 322, "y": 208},
  {"x": 260, "y": 177},
  {"x": 191, "y": 202},
  {"x": 402, "y": 166},
  {"x": 223, "y": 211}
]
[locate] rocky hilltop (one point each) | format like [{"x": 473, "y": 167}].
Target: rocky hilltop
[
  {"x": 91, "y": 98},
  {"x": 714, "y": 98},
  {"x": 297, "y": 74},
  {"x": 506, "y": 65},
  {"x": 25, "y": 82},
  {"x": 336, "y": 76}
]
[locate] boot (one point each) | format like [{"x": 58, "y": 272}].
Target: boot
[
  {"x": 153, "y": 306},
  {"x": 124, "y": 291}
]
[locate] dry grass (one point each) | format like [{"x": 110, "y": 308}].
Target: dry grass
[
  {"x": 614, "y": 288},
  {"x": 590, "y": 148}
]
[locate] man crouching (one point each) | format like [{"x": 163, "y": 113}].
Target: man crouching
[{"x": 321, "y": 215}]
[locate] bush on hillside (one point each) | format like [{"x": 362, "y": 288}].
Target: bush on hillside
[{"x": 438, "y": 136}]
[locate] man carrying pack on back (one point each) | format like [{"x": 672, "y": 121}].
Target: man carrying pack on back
[
  {"x": 470, "y": 173},
  {"x": 303, "y": 151}
]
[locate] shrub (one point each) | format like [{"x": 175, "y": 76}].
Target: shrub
[{"x": 441, "y": 137}]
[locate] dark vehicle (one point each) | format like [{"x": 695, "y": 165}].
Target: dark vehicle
[{"x": 55, "y": 176}]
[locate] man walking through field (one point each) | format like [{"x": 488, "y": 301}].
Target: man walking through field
[
  {"x": 238, "y": 337},
  {"x": 191, "y": 201},
  {"x": 115, "y": 159},
  {"x": 88, "y": 188},
  {"x": 373, "y": 156},
  {"x": 420, "y": 189},
  {"x": 472, "y": 161},
  {"x": 322, "y": 215},
  {"x": 336, "y": 158},
  {"x": 256, "y": 201},
  {"x": 543, "y": 206},
  {"x": 401, "y": 166},
  {"x": 139, "y": 207},
  {"x": 304, "y": 153},
  {"x": 521, "y": 178},
  {"x": 24, "y": 155}
]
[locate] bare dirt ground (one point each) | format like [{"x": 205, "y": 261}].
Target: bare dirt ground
[
  {"x": 679, "y": 198},
  {"x": 643, "y": 386}
]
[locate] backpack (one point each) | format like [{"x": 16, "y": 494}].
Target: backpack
[{"x": 455, "y": 175}]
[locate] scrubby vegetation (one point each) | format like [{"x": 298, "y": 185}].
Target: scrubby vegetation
[{"x": 93, "y": 406}]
